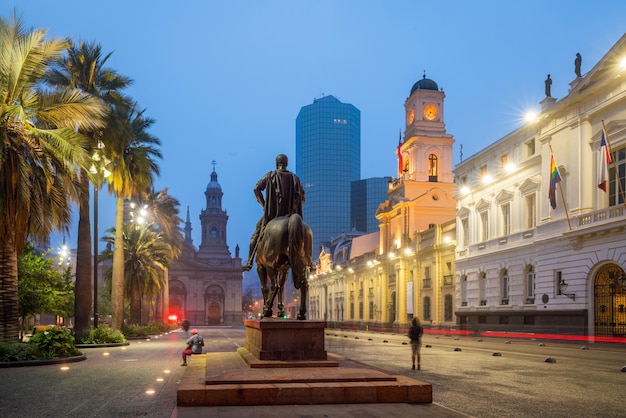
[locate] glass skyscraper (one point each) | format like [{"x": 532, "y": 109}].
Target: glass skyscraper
[{"x": 328, "y": 160}]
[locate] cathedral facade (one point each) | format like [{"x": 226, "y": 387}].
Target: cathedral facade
[{"x": 205, "y": 285}]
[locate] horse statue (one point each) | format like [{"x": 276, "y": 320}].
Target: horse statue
[{"x": 285, "y": 243}]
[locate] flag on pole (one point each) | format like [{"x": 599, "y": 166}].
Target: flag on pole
[
  {"x": 605, "y": 160},
  {"x": 399, "y": 152},
  {"x": 555, "y": 177}
]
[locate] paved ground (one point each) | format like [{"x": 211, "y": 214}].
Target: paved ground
[{"x": 141, "y": 379}]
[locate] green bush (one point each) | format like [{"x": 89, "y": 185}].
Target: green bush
[
  {"x": 17, "y": 352},
  {"x": 104, "y": 334},
  {"x": 144, "y": 330},
  {"x": 54, "y": 343}
]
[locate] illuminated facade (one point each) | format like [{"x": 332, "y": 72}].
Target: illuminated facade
[
  {"x": 523, "y": 265},
  {"x": 406, "y": 269},
  {"x": 205, "y": 285}
]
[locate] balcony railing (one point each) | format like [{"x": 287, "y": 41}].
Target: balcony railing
[
  {"x": 448, "y": 280},
  {"x": 427, "y": 283}
]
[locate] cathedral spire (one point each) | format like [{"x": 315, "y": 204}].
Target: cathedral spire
[{"x": 188, "y": 228}]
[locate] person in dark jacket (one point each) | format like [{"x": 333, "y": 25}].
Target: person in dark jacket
[{"x": 415, "y": 334}]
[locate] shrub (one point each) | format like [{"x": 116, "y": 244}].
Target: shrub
[
  {"x": 17, "y": 351},
  {"x": 104, "y": 334},
  {"x": 54, "y": 343}
]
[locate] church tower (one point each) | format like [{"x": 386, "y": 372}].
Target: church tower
[
  {"x": 205, "y": 286},
  {"x": 423, "y": 194},
  {"x": 213, "y": 220}
]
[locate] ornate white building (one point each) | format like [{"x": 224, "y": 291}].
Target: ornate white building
[
  {"x": 205, "y": 285},
  {"x": 522, "y": 265}
]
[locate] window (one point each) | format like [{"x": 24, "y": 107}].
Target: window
[
  {"x": 432, "y": 167},
  {"x": 484, "y": 225},
  {"x": 464, "y": 290},
  {"x": 427, "y": 308},
  {"x": 530, "y": 284},
  {"x": 504, "y": 160},
  {"x": 504, "y": 287},
  {"x": 214, "y": 232},
  {"x": 483, "y": 288},
  {"x": 483, "y": 171},
  {"x": 464, "y": 232},
  {"x": 530, "y": 211},
  {"x": 619, "y": 158},
  {"x": 447, "y": 308},
  {"x": 360, "y": 310},
  {"x": 372, "y": 310},
  {"x": 351, "y": 310},
  {"x": 506, "y": 218},
  {"x": 530, "y": 148},
  {"x": 557, "y": 280}
]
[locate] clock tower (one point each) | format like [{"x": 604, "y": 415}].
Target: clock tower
[{"x": 427, "y": 147}]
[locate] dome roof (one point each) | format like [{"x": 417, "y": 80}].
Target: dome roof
[
  {"x": 214, "y": 185},
  {"x": 425, "y": 84}
]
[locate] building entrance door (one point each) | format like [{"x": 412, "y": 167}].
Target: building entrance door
[
  {"x": 214, "y": 317},
  {"x": 610, "y": 301}
]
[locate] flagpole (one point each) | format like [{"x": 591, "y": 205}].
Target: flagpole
[
  {"x": 619, "y": 181},
  {"x": 569, "y": 224}
]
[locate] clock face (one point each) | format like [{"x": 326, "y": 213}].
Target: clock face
[
  {"x": 410, "y": 116},
  {"x": 430, "y": 111}
]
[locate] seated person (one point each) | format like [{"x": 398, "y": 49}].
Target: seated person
[{"x": 194, "y": 346}]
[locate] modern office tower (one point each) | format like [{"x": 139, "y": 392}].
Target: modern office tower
[
  {"x": 328, "y": 160},
  {"x": 367, "y": 195}
]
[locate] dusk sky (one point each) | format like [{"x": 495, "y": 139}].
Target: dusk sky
[{"x": 225, "y": 80}]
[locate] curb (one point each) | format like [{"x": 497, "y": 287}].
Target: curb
[{"x": 45, "y": 362}]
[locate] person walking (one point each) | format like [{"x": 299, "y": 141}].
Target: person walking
[
  {"x": 194, "y": 346},
  {"x": 415, "y": 334}
]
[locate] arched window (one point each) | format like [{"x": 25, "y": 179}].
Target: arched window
[
  {"x": 530, "y": 285},
  {"x": 504, "y": 288},
  {"x": 432, "y": 167},
  {"x": 482, "y": 282},
  {"x": 214, "y": 232},
  {"x": 427, "y": 309},
  {"x": 447, "y": 308}
]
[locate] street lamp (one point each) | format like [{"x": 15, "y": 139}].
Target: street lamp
[{"x": 99, "y": 169}]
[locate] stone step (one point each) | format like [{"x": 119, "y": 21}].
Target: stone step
[{"x": 226, "y": 379}]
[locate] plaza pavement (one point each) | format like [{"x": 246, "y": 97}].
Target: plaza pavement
[{"x": 141, "y": 379}]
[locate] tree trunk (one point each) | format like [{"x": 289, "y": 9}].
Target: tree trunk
[
  {"x": 9, "y": 313},
  {"x": 117, "y": 281},
  {"x": 84, "y": 272},
  {"x": 135, "y": 302}
]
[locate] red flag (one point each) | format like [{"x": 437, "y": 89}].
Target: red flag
[{"x": 605, "y": 160}]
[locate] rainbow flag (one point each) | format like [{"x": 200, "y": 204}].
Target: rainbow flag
[
  {"x": 605, "y": 160},
  {"x": 555, "y": 177}
]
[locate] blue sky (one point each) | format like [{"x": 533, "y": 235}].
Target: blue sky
[{"x": 225, "y": 79}]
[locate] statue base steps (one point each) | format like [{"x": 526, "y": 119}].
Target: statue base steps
[{"x": 243, "y": 378}]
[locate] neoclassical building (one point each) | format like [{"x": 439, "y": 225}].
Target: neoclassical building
[
  {"x": 406, "y": 269},
  {"x": 205, "y": 284},
  {"x": 525, "y": 264}
]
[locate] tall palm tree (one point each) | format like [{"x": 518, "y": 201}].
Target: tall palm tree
[
  {"x": 40, "y": 152},
  {"x": 133, "y": 169},
  {"x": 84, "y": 68},
  {"x": 164, "y": 210},
  {"x": 146, "y": 254}
]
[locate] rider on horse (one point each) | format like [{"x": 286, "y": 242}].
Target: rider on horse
[{"x": 284, "y": 196}]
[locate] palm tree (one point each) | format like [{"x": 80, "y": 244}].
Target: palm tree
[
  {"x": 133, "y": 169},
  {"x": 40, "y": 152},
  {"x": 167, "y": 222},
  {"x": 84, "y": 68},
  {"x": 146, "y": 254}
]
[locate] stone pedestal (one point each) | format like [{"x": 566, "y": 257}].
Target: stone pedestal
[{"x": 285, "y": 340}]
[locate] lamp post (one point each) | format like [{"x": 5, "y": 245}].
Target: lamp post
[{"x": 98, "y": 167}]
